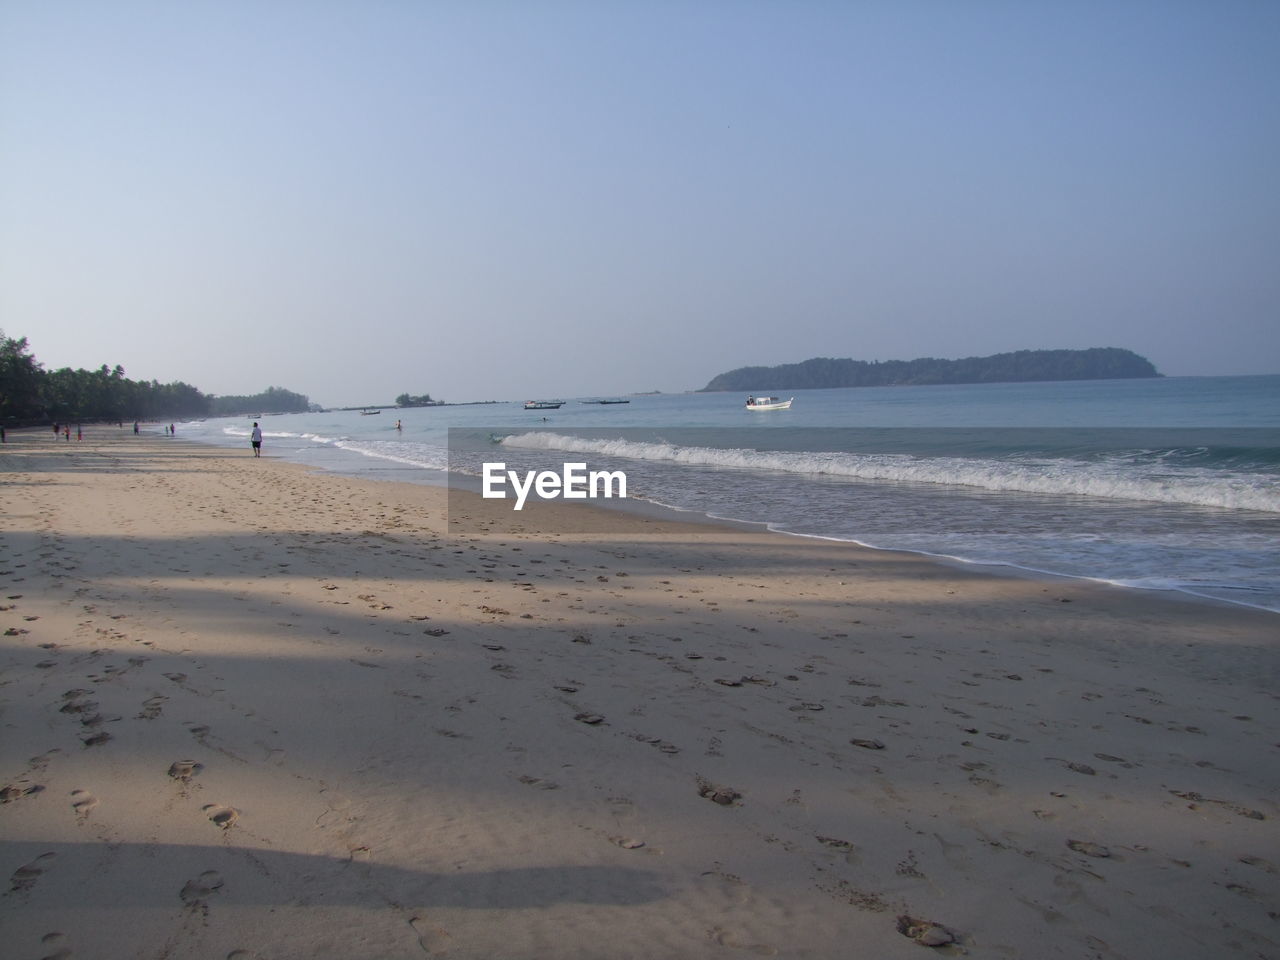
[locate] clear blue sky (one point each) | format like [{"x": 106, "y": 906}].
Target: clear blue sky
[{"x": 483, "y": 199}]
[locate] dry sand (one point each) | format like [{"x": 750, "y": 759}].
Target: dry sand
[{"x": 247, "y": 710}]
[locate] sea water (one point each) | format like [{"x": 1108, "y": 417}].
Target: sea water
[{"x": 1169, "y": 483}]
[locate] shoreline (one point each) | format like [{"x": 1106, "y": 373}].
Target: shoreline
[
  {"x": 661, "y": 511},
  {"x": 253, "y": 708}
]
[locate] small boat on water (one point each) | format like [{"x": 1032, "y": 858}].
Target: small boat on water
[
  {"x": 768, "y": 403},
  {"x": 604, "y": 402},
  {"x": 543, "y": 404},
  {"x": 369, "y": 413}
]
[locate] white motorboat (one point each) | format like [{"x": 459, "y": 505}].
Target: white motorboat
[{"x": 768, "y": 403}]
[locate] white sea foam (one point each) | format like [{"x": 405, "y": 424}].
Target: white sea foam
[
  {"x": 410, "y": 454},
  {"x": 414, "y": 454},
  {"x": 1119, "y": 478}
]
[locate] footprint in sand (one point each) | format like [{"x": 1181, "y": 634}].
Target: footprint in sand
[
  {"x": 1260, "y": 863},
  {"x": 925, "y": 932},
  {"x": 1089, "y": 848},
  {"x": 224, "y": 817},
  {"x": 39, "y": 763},
  {"x": 272, "y": 755},
  {"x": 55, "y": 939},
  {"x": 11, "y": 793},
  {"x": 538, "y": 782},
  {"x": 75, "y": 703},
  {"x": 735, "y": 941},
  {"x": 83, "y": 802},
  {"x": 184, "y": 770},
  {"x": 849, "y": 851},
  {"x": 434, "y": 940},
  {"x": 25, "y": 877},
  {"x": 725, "y": 796},
  {"x": 195, "y": 891},
  {"x": 151, "y": 708}
]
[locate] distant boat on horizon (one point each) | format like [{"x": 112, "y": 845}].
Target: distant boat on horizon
[
  {"x": 605, "y": 402},
  {"x": 543, "y": 404}
]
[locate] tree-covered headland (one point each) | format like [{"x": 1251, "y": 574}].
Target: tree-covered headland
[
  {"x": 1097, "y": 363},
  {"x": 271, "y": 400},
  {"x": 31, "y": 394}
]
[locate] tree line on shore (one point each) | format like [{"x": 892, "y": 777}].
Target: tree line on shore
[
  {"x": 31, "y": 394},
  {"x": 1096, "y": 363}
]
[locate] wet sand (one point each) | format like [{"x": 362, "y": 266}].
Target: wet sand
[{"x": 250, "y": 710}]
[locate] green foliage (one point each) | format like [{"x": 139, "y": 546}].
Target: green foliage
[
  {"x": 408, "y": 400},
  {"x": 271, "y": 400},
  {"x": 1098, "y": 363},
  {"x": 20, "y": 376},
  {"x": 30, "y": 393},
  {"x": 107, "y": 394}
]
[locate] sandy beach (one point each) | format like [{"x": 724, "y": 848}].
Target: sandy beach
[{"x": 252, "y": 711}]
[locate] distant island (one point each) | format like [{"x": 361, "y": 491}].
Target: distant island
[
  {"x": 409, "y": 400},
  {"x": 1097, "y": 363}
]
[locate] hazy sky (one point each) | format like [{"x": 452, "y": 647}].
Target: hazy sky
[{"x": 483, "y": 199}]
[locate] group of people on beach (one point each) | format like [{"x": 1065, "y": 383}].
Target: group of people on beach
[{"x": 64, "y": 429}]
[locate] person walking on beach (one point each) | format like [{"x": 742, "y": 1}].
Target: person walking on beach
[
  {"x": 255, "y": 438},
  {"x": 135, "y": 428}
]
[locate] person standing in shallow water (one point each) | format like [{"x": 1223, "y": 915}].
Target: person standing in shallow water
[{"x": 255, "y": 438}]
